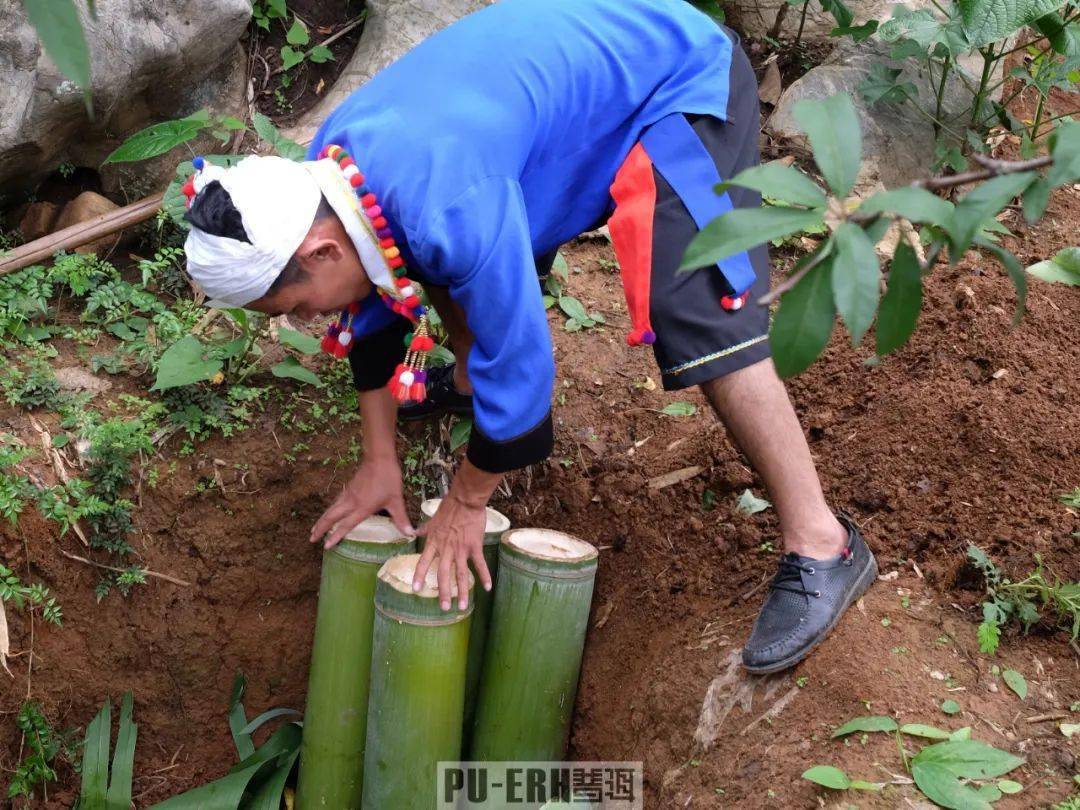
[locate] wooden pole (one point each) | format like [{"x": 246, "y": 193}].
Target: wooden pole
[{"x": 80, "y": 233}]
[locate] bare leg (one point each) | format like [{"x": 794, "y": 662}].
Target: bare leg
[
  {"x": 754, "y": 406},
  {"x": 461, "y": 338}
]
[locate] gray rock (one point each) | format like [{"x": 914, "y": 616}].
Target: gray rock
[
  {"x": 149, "y": 61},
  {"x": 898, "y": 142},
  {"x": 392, "y": 27}
]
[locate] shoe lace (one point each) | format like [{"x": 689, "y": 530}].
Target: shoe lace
[{"x": 789, "y": 573}]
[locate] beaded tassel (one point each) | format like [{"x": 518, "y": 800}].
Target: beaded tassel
[{"x": 410, "y": 377}]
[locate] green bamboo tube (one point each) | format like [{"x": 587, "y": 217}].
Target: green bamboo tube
[
  {"x": 335, "y": 719},
  {"x": 534, "y": 646},
  {"x": 497, "y": 524},
  {"x": 417, "y": 688}
]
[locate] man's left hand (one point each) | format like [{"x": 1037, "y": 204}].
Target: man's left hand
[{"x": 455, "y": 535}]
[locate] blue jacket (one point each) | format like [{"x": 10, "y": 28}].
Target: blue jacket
[{"x": 496, "y": 140}]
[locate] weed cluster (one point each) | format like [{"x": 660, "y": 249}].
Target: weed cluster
[
  {"x": 1022, "y": 601},
  {"x": 44, "y": 746}
]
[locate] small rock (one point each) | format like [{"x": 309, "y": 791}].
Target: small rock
[
  {"x": 76, "y": 378},
  {"x": 963, "y": 296},
  {"x": 695, "y": 523},
  {"x": 38, "y": 220},
  {"x": 87, "y": 206}
]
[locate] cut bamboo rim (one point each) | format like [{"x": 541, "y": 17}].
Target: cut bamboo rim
[
  {"x": 374, "y": 540},
  {"x": 548, "y": 553},
  {"x": 497, "y": 522},
  {"x": 396, "y": 599}
]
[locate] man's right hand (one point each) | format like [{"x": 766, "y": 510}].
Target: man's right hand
[{"x": 376, "y": 485}]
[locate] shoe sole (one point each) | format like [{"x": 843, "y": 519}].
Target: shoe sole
[{"x": 862, "y": 585}]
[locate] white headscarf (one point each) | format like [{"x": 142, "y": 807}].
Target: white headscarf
[{"x": 277, "y": 200}]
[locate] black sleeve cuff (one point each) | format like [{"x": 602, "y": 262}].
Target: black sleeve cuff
[
  {"x": 527, "y": 448},
  {"x": 374, "y": 357}
]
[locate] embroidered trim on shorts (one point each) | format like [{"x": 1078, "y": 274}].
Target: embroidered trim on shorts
[{"x": 738, "y": 347}]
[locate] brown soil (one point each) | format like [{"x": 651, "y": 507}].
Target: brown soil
[
  {"x": 309, "y": 80},
  {"x": 967, "y": 435}
]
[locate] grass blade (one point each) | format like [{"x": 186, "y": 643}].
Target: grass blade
[
  {"x": 119, "y": 796},
  {"x": 238, "y": 719},
  {"x": 95, "y": 764}
]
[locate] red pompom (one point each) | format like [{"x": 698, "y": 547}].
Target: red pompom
[
  {"x": 402, "y": 282},
  {"x": 189, "y": 188},
  {"x": 379, "y": 223},
  {"x": 323, "y": 152},
  {"x": 388, "y": 242},
  {"x": 412, "y": 301},
  {"x": 346, "y": 162},
  {"x": 417, "y": 392},
  {"x": 367, "y": 200},
  {"x": 340, "y": 351},
  {"x": 328, "y": 343},
  {"x": 396, "y": 262},
  {"x": 634, "y": 338},
  {"x": 356, "y": 180}
]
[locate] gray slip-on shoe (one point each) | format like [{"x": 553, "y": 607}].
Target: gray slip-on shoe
[{"x": 806, "y": 599}]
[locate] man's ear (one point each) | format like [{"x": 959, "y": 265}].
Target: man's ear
[{"x": 318, "y": 249}]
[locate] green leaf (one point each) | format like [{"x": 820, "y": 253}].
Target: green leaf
[
  {"x": 1063, "y": 268},
  {"x": 95, "y": 763},
  {"x": 1015, "y": 681},
  {"x": 268, "y": 795},
  {"x": 283, "y": 146},
  {"x": 298, "y": 34},
  {"x": 909, "y": 202},
  {"x": 1069, "y": 729},
  {"x": 941, "y": 786},
  {"x": 265, "y": 718},
  {"x": 989, "y": 635},
  {"x": 857, "y": 32},
  {"x": 751, "y": 504},
  {"x": 1009, "y": 787},
  {"x": 61, "y": 33},
  {"x": 712, "y": 8},
  {"x": 859, "y": 784},
  {"x": 305, "y": 344},
  {"x": 961, "y": 734},
  {"x": 778, "y": 182},
  {"x": 741, "y": 229},
  {"x": 969, "y": 759},
  {"x": 184, "y": 363},
  {"x": 238, "y": 719},
  {"x": 986, "y": 21},
  {"x": 802, "y": 325},
  {"x": 1064, "y": 144},
  {"x": 159, "y": 138},
  {"x": 680, "y": 409},
  {"x": 979, "y": 205},
  {"x": 290, "y": 367},
  {"x": 871, "y": 723},
  {"x": 320, "y": 54},
  {"x": 573, "y": 308},
  {"x": 920, "y": 730},
  {"x": 835, "y": 134},
  {"x": 855, "y": 279},
  {"x": 841, "y": 13},
  {"x": 460, "y": 433},
  {"x": 902, "y": 302},
  {"x": 560, "y": 268},
  {"x": 119, "y": 795},
  {"x": 950, "y": 707},
  {"x": 827, "y": 776},
  {"x": 60, "y": 440},
  {"x": 290, "y": 57},
  {"x": 1035, "y": 199},
  {"x": 882, "y": 84}
]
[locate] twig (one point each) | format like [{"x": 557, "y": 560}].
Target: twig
[
  {"x": 1039, "y": 718},
  {"x": 793, "y": 279},
  {"x": 145, "y": 571},
  {"x": 991, "y": 168}
]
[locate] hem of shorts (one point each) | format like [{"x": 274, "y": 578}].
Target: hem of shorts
[{"x": 716, "y": 364}]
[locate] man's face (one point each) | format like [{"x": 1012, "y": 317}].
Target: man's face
[{"x": 333, "y": 276}]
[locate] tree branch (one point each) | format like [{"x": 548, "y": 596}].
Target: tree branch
[{"x": 991, "y": 168}]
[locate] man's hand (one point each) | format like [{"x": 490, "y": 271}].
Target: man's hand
[
  {"x": 455, "y": 535},
  {"x": 376, "y": 485}
]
